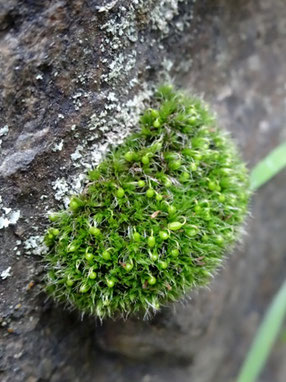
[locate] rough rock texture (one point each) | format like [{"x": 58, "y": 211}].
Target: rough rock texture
[{"x": 68, "y": 70}]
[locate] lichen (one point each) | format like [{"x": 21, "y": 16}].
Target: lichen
[
  {"x": 8, "y": 216},
  {"x": 156, "y": 218},
  {"x": 6, "y": 273}
]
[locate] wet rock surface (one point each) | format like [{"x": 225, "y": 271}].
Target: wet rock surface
[{"x": 55, "y": 77}]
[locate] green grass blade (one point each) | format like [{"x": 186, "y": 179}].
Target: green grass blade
[
  {"x": 268, "y": 167},
  {"x": 265, "y": 337}
]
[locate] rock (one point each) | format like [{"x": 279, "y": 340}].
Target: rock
[{"x": 74, "y": 77}]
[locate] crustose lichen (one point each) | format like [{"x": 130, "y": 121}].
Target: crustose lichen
[{"x": 156, "y": 217}]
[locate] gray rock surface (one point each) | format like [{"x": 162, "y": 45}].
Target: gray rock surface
[{"x": 72, "y": 78}]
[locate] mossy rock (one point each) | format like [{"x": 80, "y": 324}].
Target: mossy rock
[{"x": 156, "y": 217}]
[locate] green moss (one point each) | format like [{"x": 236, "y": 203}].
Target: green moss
[{"x": 156, "y": 218}]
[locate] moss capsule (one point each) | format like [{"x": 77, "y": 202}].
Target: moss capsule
[
  {"x": 89, "y": 256},
  {"x": 92, "y": 275},
  {"x": 211, "y": 186},
  {"x": 167, "y": 182},
  {"x": 154, "y": 113},
  {"x": 129, "y": 156},
  {"x": 128, "y": 267},
  {"x": 175, "y": 164},
  {"x": 163, "y": 264},
  {"x": 163, "y": 235},
  {"x": 55, "y": 231},
  {"x": 141, "y": 183},
  {"x": 159, "y": 197},
  {"x": 174, "y": 252},
  {"x": 157, "y": 123},
  {"x": 151, "y": 241},
  {"x": 84, "y": 288},
  {"x": 69, "y": 282},
  {"x": 221, "y": 198},
  {"x": 153, "y": 256},
  {"x": 152, "y": 280},
  {"x": 185, "y": 176},
  {"x": 110, "y": 283},
  {"x": 94, "y": 231},
  {"x": 53, "y": 217},
  {"x": 120, "y": 193},
  {"x": 72, "y": 248},
  {"x": 193, "y": 166},
  {"x": 150, "y": 193},
  {"x": 136, "y": 236},
  {"x": 219, "y": 239},
  {"x": 172, "y": 210},
  {"x": 191, "y": 232},
  {"x": 175, "y": 226},
  {"x": 74, "y": 205},
  {"x": 145, "y": 159},
  {"x": 106, "y": 255},
  {"x": 197, "y": 208}
]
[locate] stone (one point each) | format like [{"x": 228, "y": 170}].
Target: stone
[{"x": 79, "y": 73}]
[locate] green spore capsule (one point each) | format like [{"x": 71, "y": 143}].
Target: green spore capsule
[
  {"x": 89, "y": 256},
  {"x": 193, "y": 166},
  {"x": 71, "y": 247},
  {"x": 163, "y": 264},
  {"x": 159, "y": 197},
  {"x": 74, "y": 204},
  {"x": 106, "y": 255},
  {"x": 175, "y": 252},
  {"x": 129, "y": 156},
  {"x": 141, "y": 183},
  {"x": 150, "y": 193},
  {"x": 84, "y": 288},
  {"x": 136, "y": 236},
  {"x": 172, "y": 210},
  {"x": 151, "y": 241},
  {"x": 128, "y": 267},
  {"x": 163, "y": 235},
  {"x": 175, "y": 226},
  {"x": 53, "y": 217},
  {"x": 94, "y": 231},
  {"x": 154, "y": 113},
  {"x": 154, "y": 256},
  {"x": 152, "y": 280},
  {"x": 157, "y": 123},
  {"x": 110, "y": 283},
  {"x": 69, "y": 282},
  {"x": 92, "y": 275},
  {"x": 175, "y": 164},
  {"x": 174, "y": 190},
  {"x": 55, "y": 231},
  {"x": 120, "y": 193}
]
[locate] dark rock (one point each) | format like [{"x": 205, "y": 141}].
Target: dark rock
[{"x": 63, "y": 65}]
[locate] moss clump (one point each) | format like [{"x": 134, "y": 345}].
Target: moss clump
[{"x": 156, "y": 217}]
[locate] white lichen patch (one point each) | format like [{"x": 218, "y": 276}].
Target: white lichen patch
[
  {"x": 4, "y": 130},
  {"x": 58, "y": 146},
  {"x": 35, "y": 245},
  {"x": 123, "y": 28},
  {"x": 61, "y": 187},
  {"x": 77, "y": 154},
  {"x": 8, "y": 216},
  {"x": 108, "y": 6},
  {"x": 65, "y": 188},
  {"x": 6, "y": 273}
]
